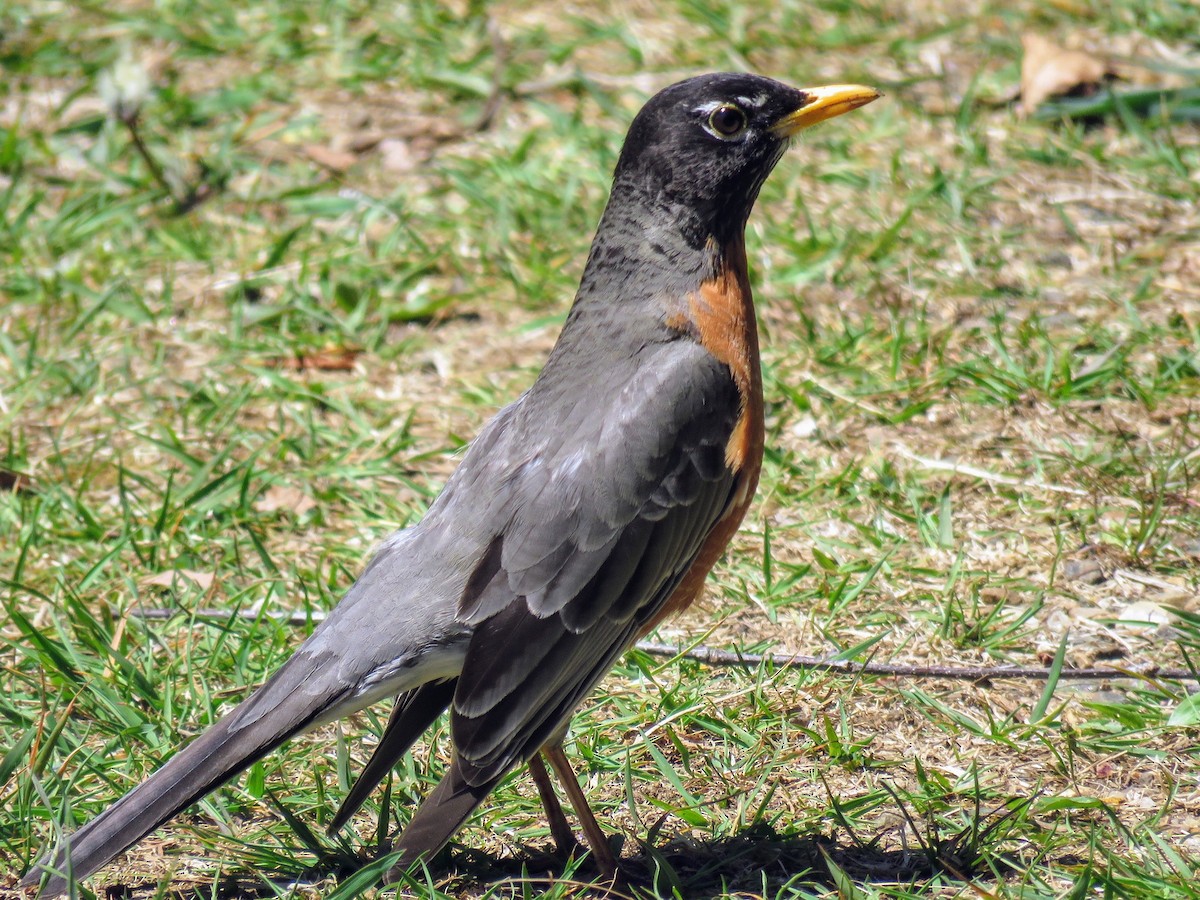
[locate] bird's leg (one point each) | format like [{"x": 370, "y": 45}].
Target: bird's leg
[
  {"x": 560, "y": 828},
  {"x": 592, "y": 832}
]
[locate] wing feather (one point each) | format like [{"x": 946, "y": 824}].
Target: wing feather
[{"x": 602, "y": 530}]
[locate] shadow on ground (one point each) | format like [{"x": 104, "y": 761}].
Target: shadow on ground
[{"x": 758, "y": 860}]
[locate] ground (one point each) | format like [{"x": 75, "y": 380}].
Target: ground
[{"x": 981, "y": 341}]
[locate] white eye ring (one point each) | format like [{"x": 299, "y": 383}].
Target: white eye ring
[{"x": 727, "y": 121}]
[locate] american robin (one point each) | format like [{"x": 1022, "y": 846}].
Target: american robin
[{"x": 583, "y": 514}]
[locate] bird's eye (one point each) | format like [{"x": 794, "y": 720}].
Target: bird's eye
[{"x": 727, "y": 121}]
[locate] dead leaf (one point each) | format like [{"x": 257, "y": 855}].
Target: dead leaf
[
  {"x": 360, "y": 142},
  {"x": 1049, "y": 70},
  {"x": 17, "y": 482},
  {"x": 202, "y": 580},
  {"x": 284, "y": 496},
  {"x": 1144, "y": 614},
  {"x": 398, "y": 156},
  {"x": 334, "y": 160},
  {"x": 335, "y": 359}
]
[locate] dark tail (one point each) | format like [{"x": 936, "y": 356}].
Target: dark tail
[
  {"x": 203, "y": 765},
  {"x": 413, "y": 713},
  {"x": 441, "y": 814}
]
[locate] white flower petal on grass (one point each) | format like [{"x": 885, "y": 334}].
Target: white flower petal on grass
[{"x": 125, "y": 87}]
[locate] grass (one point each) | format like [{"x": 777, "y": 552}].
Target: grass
[{"x": 982, "y": 364}]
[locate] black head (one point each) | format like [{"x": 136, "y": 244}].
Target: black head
[{"x": 702, "y": 148}]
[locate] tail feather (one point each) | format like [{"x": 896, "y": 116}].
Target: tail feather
[
  {"x": 373, "y": 645},
  {"x": 439, "y": 816},
  {"x": 412, "y": 715},
  {"x": 202, "y": 766}
]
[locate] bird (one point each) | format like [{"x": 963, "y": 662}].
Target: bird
[{"x": 586, "y": 512}]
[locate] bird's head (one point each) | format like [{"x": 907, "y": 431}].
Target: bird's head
[{"x": 707, "y": 144}]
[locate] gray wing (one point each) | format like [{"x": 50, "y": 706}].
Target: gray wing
[
  {"x": 582, "y": 510},
  {"x": 599, "y": 532},
  {"x": 586, "y": 542}
]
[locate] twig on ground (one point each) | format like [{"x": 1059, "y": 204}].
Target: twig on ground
[
  {"x": 575, "y": 78},
  {"x": 715, "y": 657},
  {"x": 184, "y": 201},
  {"x": 156, "y": 171},
  {"x": 500, "y": 52},
  {"x": 209, "y": 614},
  {"x": 838, "y": 394},
  {"x": 959, "y": 468}
]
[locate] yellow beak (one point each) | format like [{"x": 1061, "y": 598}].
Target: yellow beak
[{"x": 824, "y": 103}]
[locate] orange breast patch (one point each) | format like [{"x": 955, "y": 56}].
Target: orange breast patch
[{"x": 721, "y": 315}]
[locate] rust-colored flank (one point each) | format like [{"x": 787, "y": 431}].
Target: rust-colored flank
[{"x": 721, "y": 315}]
